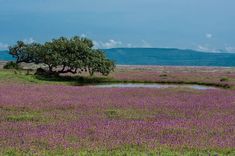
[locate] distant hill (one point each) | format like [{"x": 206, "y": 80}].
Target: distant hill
[
  {"x": 165, "y": 56},
  {"x": 162, "y": 56}
]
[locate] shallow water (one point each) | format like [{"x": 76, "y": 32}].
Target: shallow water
[{"x": 158, "y": 86}]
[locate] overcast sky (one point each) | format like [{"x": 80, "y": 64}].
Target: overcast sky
[{"x": 207, "y": 25}]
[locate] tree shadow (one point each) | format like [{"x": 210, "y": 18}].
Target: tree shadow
[{"x": 75, "y": 80}]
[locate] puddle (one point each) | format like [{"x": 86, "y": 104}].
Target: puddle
[{"x": 158, "y": 86}]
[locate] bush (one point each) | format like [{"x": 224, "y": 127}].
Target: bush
[
  {"x": 224, "y": 79},
  {"x": 11, "y": 65}
]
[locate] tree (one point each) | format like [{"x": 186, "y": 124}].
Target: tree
[
  {"x": 64, "y": 55},
  {"x": 97, "y": 62},
  {"x": 18, "y": 51},
  {"x": 24, "y": 52}
]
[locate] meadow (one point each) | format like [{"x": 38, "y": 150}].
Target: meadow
[{"x": 57, "y": 116}]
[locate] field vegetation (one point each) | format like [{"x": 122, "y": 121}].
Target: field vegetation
[
  {"x": 52, "y": 107},
  {"x": 58, "y": 116}
]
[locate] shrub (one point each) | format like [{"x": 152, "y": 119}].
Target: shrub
[
  {"x": 224, "y": 79},
  {"x": 11, "y": 65}
]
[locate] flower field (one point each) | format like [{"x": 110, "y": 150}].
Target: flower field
[
  {"x": 196, "y": 75},
  {"x": 41, "y": 118}
]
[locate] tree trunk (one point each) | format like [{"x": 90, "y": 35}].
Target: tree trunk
[
  {"x": 50, "y": 68},
  {"x": 91, "y": 72}
]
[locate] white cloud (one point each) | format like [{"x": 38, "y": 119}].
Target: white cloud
[
  {"x": 202, "y": 48},
  {"x": 3, "y": 46},
  {"x": 209, "y": 36},
  {"x": 119, "y": 44},
  {"x": 29, "y": 40},
  {"x": 230, "y": 49},
  {"x": 206, "y": 48},
  {"x": 142, "y": 44},
  {"x": 129, "y": 45},
  {"x": 84, "y": 35},
  {"x": 109, "y": 44},
  {"x": 145, "y": 44}
]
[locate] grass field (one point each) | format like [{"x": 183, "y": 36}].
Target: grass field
[{"x": 55, "y": 116}]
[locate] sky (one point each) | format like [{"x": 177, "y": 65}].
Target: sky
[{"x": 205, "y": 25}]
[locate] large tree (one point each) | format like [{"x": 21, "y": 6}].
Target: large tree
[{"x": 64, "y": 55}]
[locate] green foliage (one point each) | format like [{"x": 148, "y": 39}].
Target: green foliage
[
  {"x": 225, "y": 79},
  {"x": 11, "y": 65},
  {"x": 23, "y": 117},
  {"x": 18, "y": 51},
  {"x": 98, "y": 63},
  {"x": 24, "y": 52},
  {"x": 163, "y": 75},
  {"x": 64, "y": 55},
  {"x": 132, "y": 114},
  {"x": 22, "y": 77},
  {"x": 112, "y": 113}
]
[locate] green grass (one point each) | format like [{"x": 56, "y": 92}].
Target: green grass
[
  {"x": 136, "y": 114},
  {"x": 14, "y": 114},
  {"x": 124, "y": 151},
  {"x": 224, "y": 79},
  {"x": 21, "y": 76},
  {"x": 24, "y": 76},
  {"x": 140, "y": 114},
  {"x": 26, "y": 116}
]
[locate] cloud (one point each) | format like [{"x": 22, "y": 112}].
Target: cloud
[
  {"x": 129, "y": 45},
  {"x": 83, "y": 35},
  {"x": 29, "y": 40},
  {"x": 119, "y": 44},
  {"x": 142, "y": 44},
  {"x": 3, "y": 46},
  {"x": 145, "y": 44},
  {"x": 202, "y": 48},
  {"x": 109, "y": 44},
  {"x": 230, "y": 49},
  {"x": 209, "y": 36},
  {"x": 206, "y": 48}
]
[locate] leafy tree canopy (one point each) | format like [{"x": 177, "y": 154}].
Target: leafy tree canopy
[{"x": 64, "y": 55}]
